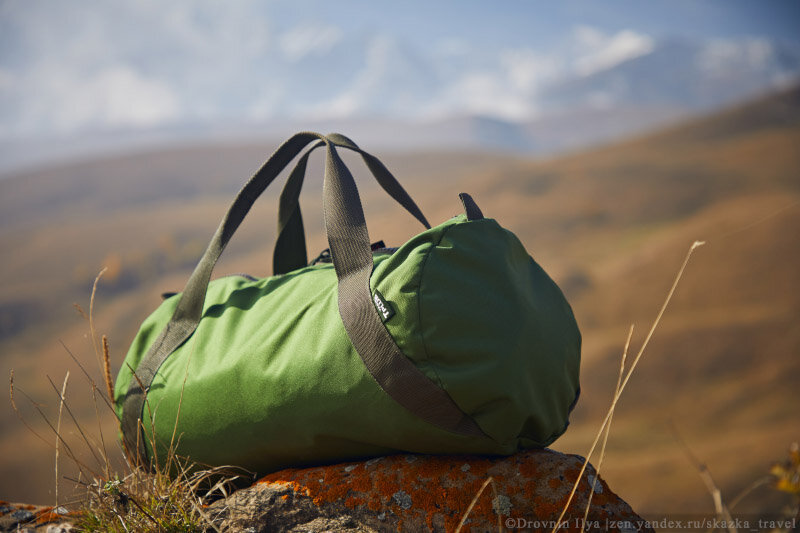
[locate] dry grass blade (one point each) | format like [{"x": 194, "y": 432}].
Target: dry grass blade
[
  {"x": 204, "y": 516},
  {"x": 139, "y": 426},
  {"x": 91, "y": 317},
  {"x": 86, "y": 374},
  {"x": 722, "y": 511},
  {"x": 80, "y": 311},
  {"x": 608, "y": 427},
  {"x": 144, "y": 511},
  {"x": 16, "y": 410},
  {"x": 489, "y": 481},
  {"x": 652, "y": 330},
  {"x": 47, "y": 421},
  {"x": 82, "y": 433},
  {"x": 58, "y": 428},
  {"x": 225, "y": 476},
  {"x": 747, "y": 490},
  {"x": 172, "y": 443},
  {"x": 106, "y": 462},
  {"x": 757, "y": 222},
  {"x": 628, "y": 375}
]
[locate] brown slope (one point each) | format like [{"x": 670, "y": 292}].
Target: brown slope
[{"x": 722, "y": 366}]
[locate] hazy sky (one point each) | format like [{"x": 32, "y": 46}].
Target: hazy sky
[
  {"x": 93, "y": 64},
  {"x": 538, "y": 23}
]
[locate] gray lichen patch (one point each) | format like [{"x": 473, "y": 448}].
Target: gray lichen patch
[
  {"x": 595, "y": 484},
  {"x": 502, "y": 505},
  {"x": 402, "y": 499}
]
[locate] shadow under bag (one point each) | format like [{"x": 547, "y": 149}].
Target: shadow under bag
[{"x": 455, "y": 342}]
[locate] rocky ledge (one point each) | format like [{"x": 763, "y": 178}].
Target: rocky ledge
[{"x": 527, "y": 492}]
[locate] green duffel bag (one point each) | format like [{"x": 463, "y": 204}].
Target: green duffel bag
[{"x": 455, "y": 342}]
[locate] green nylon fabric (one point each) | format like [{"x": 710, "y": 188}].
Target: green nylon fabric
[{"x": 270, "y": 379}]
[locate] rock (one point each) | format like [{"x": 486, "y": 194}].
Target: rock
[
  {"x": 427, "y": 493},
  {"x": 21, "y": 518},
  {"x": 527, "y": 492}
]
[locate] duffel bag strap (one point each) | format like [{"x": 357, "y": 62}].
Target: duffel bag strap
[
  {"x": 397, "y": 375},
  {"x": 352, "y": 259},
  {"x": 290, "y": 246},
  {"x": 188, "y": 312}
]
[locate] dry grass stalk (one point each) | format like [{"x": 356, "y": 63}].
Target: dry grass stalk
[
  {"x": 38, "y": 408},
  {"x": 107, "y": 369},
  {"x": 86, "y": 375},
  {"x": 80, "y": 311},
  {"x": 103, "y": 449},
  {"x": 489, "y": 481},
  {"x": 89, "y": 445},
  {"x": 58, "y": 429},
  {"x": 608, "y": 427},
  {"x": 628, "y": 375},
  {"x": 91, "y": 317},
  {"x": 722, "y": 510},
  {"x": 173, "y": 444},
  {"x": 11, "y": 389}
]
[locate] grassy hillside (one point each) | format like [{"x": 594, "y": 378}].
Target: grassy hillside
[{"x": 611, "y": 225}]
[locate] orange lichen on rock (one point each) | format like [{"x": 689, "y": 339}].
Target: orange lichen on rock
[
  {"x": 48, "y": 515},
  {"x": 26, "y": 517},
  {"x": 409, "y": 492}
]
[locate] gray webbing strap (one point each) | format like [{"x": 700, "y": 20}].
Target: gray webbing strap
[
  {"x": 290, "y": 248},
  {"x": 471, "y": 209},
  {"x": 352, "y": 258}
]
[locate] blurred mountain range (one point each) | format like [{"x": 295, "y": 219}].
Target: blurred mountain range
[{"x": 399, "y": 95}]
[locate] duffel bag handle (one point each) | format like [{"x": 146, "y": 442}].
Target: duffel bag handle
[
  {"x": 290, "y": 246},
  {"x": 352, "y": 259},
  {"x": 187, "y": 314}
]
